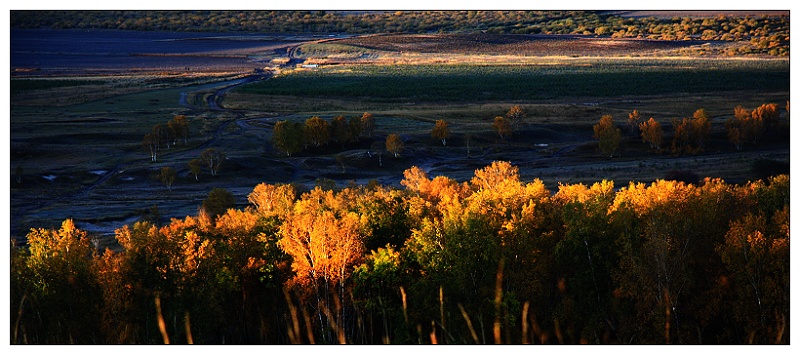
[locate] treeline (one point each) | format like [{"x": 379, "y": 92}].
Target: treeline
[
  {"x": 293, "y": 137},
  {"x": 690, "y": 134},
  {"x": 768, "y": 34},
  {"x": 489, "y": 260}
]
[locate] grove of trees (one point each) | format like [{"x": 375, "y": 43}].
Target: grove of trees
[{"x": 493, "y": 259}]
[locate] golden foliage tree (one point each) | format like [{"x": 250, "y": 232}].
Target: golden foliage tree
[
  {"x": 634, "y": 121},
  {"x": 501, "y": 126},
  {"x": 316, "y": 131},
  {"x": 272, "y": 200},
  {"x": 516, "y": 115},
  {"x": 682, "y": 136},
  {"x": 394, "y": 144},
  {"x": 701, "y": 128},
  {"x": 652, "y": 133},
  {"x": 441, "y": 131},
  {"x": 367, "y": 124},
  {"x": 608, "y": 135}
]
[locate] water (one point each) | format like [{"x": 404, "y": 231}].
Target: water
[{"x": 81, "y": 50}]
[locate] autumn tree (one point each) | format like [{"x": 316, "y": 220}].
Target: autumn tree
[
  {"x": 316, "y": 131},
  {"x": 608, "y": 135},
  {"x": 766, "y": 116},
  {"x": 367, "y": 124},
  {"x": 756, "y": 253},
  {"x": 61, "y": 288},
  {"x": 325, "y": 245},
  {"x": 652, "y": 133},
  {"x": 516, "y": 115},
  {"x": 394, "y": 144},
  {"x": 272, "y": 200},
  {"x": 749, "y": 126},
  {"x": 167, "y": 176},
  {"x": 441, "y": 131},
  {"x": 502, "y": 127},
  {"x": 701, "y": 128},
  {"x": 681, "y": 136},
  {"x": 634, "y": 121},
  {"x": 736, "y": 128},
  {"x": 195, "y": 166},
  {"x": 180, "y": 127},
  {"x": 212, "y": 158},
  {"x": 288, "y": 137}
]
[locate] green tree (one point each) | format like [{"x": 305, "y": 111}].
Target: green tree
[
  {"x": 212, "y": 158},
  {"x": 167, "y": 176},
  {"x": 288, "y": 137},
  {"x": 218, "y": 202},
  {"x": 180, "y": 126},
  {"x": 340, "y": 129},
  {"x": 195, "y": 166},
  {"x": 355, "y": 126},
  {"x": 150, "y": 142},
  {"x": 164, "y": 134}
]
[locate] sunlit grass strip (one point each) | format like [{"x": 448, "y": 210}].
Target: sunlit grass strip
[{"x": 470, "y": 83}]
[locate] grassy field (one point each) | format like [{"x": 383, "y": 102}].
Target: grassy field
[{"x": 547, "y": 81}]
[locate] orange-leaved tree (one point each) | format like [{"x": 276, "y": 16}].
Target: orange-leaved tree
[
  {"x": 652, "y": 133},
  {"x": 367, "y": 124},
  {"x": 634, "y": 121},
  {"x": 316, "y": 131},
  {"x": 325, "y": 243},
  {"x": 502, "y": 127},
  {"x": 441, "y": 131},
  {"x": 608, "y": 135},
  {"x": 394, "y": 144}
]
